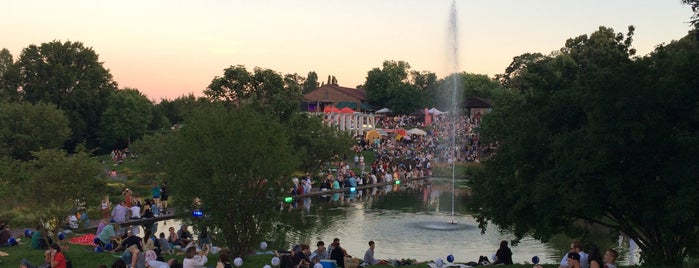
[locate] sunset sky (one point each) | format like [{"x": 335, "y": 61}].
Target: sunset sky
[{"x": 169, "y": 48}]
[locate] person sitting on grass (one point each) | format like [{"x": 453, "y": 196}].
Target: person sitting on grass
[
  {"x": 5, "y": 235},
  {"x": 38, "y": 239},
  {"x": 53, "y": 258},
  {"x": 369, "y": 255},
  {"x": 130, "y": 240},
  {"x": 108, "y": 234},
  {"x": 195, "y": 260},
  {"x": 184, "y": 237}
]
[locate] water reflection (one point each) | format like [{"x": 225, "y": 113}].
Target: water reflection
[{"x": 406, "y": 221}]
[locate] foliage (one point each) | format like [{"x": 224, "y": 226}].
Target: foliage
[
  {"x": 594, "y": 136},
  {"x": 263, "y": 88},
  {"x": 49, "y": 185},
  {"x": 127, "y": 116},
  {"x": 310, "y": 83},
  {"x": 236, "y": 162},
  {"x": 468, "y": 85},
  {"x": 175, "y": 110},
  {"x": 316, "y": 143},
  {"x": 390, "y": 87},
  {"x": 25, "y": 127},
  {"x": 70, "y": 76},
  {"x": 9, "y": 76},
  {"x": 695, "y": 8}
]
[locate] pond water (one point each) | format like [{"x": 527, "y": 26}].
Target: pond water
[{"x": 410, "y": 221}]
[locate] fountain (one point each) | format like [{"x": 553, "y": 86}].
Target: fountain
[{"x": 454, "y": 112}]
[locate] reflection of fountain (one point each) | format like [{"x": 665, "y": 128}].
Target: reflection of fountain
[{"x": 438, "y": 225}]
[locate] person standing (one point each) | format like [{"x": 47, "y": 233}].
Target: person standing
[
  {"x": 105, "y": 206},
  {"x": 164, "y": 195},
  {"x": 155, "y": 191},
  {"x": 504, "y": 254}
]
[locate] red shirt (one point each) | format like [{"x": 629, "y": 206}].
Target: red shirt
[{"x": 60, "y": 259}]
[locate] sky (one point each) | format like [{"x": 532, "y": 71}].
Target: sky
[{"x": 170, "y": 48}]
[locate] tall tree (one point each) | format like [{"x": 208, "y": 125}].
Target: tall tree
[
  {"x": 263, "y": 88},
  {"x": 236, "y": 162},
  {"x": 390, "y": 87},
  {"x": 315, "y": 143},
  {"x": 127, "y": 117},
  {"x": 26, "y": 127},
  {"x": 70, "y": 76},
  {"x": 311, "y": 82},
  {"x": 599, "y": 138},
  {"x": 8, "y": 77}
]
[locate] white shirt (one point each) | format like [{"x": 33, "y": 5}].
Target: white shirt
[
  {"x": 197, "y": 262},
  {"x": 158, "y": 264}
]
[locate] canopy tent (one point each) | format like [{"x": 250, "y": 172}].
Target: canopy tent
[
  {"x": 434, "y": 111},
  {"x": 349, "y": 104},
  {"x": 372, "y": 134},
  {"x": 383, "y": 111},
  {"x": 331, "y": 109},
  {"x": 346, "y": 110},
  {"x": 417, "y": 131}
]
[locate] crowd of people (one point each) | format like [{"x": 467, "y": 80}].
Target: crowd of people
[{"x": 301, "y": 256}]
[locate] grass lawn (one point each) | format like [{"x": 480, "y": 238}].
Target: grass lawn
[{"x": 83, "y": 256}]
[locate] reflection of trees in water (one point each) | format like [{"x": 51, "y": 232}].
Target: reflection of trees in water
[{"x": 301, "y": 221}]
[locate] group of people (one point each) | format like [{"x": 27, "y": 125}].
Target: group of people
[
  {"x": 578, "y": 258},
  {"x": 301, "y": 255}
]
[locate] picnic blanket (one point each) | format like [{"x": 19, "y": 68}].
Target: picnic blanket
[{"x": 86, "y": 240}]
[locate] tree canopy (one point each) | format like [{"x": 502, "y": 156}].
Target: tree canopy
[
  {"x": 49, "y": 185},
  {"x": 127, "y": 117},
  {"x": 236, "y": 162},
  {"x": 394, "y": 86},
  {"x": 591, "y": 135},
  {"x": 26, "y": 127},
  {"x": 70, "y": 76}
]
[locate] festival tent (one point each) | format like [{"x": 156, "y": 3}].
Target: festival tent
[
  {"x": 331, "y": 109},
  {"x": 372, "y": 134},
  {"x": 346, "y": 110},
  {"x": 417, "y": 131},
  {"x": 383, "y": 111},
  {"x": 434, "y": 111}
]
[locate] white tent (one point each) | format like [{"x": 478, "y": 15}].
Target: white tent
[
  {"x": 383, "y": 111},
  {"x": 434, "y": 111},
  {"x": 417, "y": 131}
]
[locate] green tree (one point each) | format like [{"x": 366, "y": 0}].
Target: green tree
[
  {"x": 49, "y": 185},
  {"x": 695, "y": 8},
  {"x": 236, "y": 162},
  {"x": 175, "y": 110},
  {"x": 390, "y": 87},
  {"x": 598, "y": 138},
  {"x": 8, "y": 77},
  {"x": 127, "y": 116},
  {"x": 264, "y": 88},
  {"x": 311, "y": 82},
  {"x": 316, "y": 143},
  {"x": 70, "y": 76},
  {"x": 26, "y": 127}
]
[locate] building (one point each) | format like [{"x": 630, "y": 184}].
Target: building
[{"x": 333, "y": 95}]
